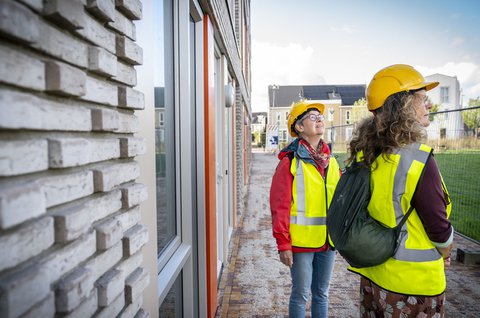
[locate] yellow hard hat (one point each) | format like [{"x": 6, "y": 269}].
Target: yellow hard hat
[
  {"x": 297, "y": 110},
  {"x": 394, "y": 79}
]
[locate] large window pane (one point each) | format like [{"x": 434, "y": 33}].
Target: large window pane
[
  {"x": 164, "y": 124},
  {"x": 172, "y": 304}
]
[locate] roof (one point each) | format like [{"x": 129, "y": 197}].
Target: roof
[{"x": 286, "y": 95}]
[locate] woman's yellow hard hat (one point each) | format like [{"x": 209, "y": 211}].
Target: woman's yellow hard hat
[
  {"x": 394, "y": 79},
  {"x": 297, "y": 110}
]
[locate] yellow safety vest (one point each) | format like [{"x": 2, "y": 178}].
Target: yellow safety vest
[
  {"x": 311, "y": 197},
  {"x": 417, "y": 267}
]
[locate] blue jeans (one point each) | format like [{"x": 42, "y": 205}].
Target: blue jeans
[{"x": 311, "y": 272}]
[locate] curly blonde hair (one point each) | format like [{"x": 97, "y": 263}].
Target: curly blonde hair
[{"x": 394, "y": 125}]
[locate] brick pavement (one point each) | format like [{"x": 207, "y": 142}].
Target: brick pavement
[{"x": 255, "y": 284}]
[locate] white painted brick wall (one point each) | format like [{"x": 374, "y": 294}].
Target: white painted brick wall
[
  {"x": 65, "y": 80},
  {"x": 19, "y": 22},
  {"x": 105, "y": 120},
  {"x": 133, "y": 194},
  {"x": 132, "y": 147},
  {"x": 104, "y": 10},
  {"x": 74, "y": 289},
  {"x": 131, "y": 309},
  {"x": 128, "y": 50},
  {"x": 101, "y": 61},
  {"x": 123, "y": 25},
  {"x": 109, "y": 233},
  {"x": 67, "y": 152},
  {"x": 109, "y": 287},
  {"x": 135, "y": 284},
  {"x": 20, "y": 202},
  {"x": 21, "y": 110},
  {"x": 114, "y": 309},
  {"x": 67, "y": 187},
  {"x": 20, "y": 69},
  {"x": 128, "y": 265},
  {"x": 29, "y": 240},
  {"x": 44, "y": 308},
  {"x": 131, "y": 8},
  {"x": 36, "y": 5},
  {"x": 108, "y": 176},
  {"x": 130, "y": 98},
  {"x": 105, "y": 260},
  {"x": 127, "y": 123},
  {"x": 23, "y": 156},
  {"x": 126, "y": 74},
  {"x": 86, "y": 308},
  {"x": 68, "y": 14},
  {"x": 94, "y": 32},
  {"x": 101, "y": 92},
  {"x": 134, "y": 239}
]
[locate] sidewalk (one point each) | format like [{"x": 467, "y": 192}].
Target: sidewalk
[{"x": 255, "y": 283}]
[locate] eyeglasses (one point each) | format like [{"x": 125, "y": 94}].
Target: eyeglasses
[{"x": 314, "y": 117}]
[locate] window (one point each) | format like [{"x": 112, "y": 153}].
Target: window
[
  {"x": 347, "y": 117},
  {"x": 444, "y": 98},
  {"x": 164, "y": 130},
  {"x": 278, "y": 118},
  {"x": 331, "y": 111}
]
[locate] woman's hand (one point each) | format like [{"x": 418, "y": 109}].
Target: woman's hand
[{"x": 286, "y": 257}]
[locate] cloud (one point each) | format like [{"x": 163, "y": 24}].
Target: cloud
[
  {"x": 468, "y": 75},
  {"x": 458, "y": 41},
  {"x": 344, "y": 29},
  {"x": 293, "y": 64}
]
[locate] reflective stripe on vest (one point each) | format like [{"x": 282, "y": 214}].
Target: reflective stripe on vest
[{"x": 407, "y": 156}]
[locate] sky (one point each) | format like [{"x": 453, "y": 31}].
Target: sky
[{"x": 320, "y": 42}]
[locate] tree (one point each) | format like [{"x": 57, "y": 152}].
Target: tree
[
  {"x": 471, "y": 117},
  {"x": 360, "y": 110},
  {"x": 434, "y": 109}
]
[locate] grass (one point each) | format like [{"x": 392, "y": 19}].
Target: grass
[{"x": 461, "y": 173}]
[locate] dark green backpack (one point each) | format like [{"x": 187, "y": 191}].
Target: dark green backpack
[{"x": 360, "y": 239}]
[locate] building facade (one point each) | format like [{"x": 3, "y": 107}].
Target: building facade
[
  {"x": 447, "y": 95},
  {"x": 338, "y": 101},
  {"x": 125, "y": 137}
]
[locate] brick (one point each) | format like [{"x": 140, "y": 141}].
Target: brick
[
  {"x": 130, "y": 98},
  {"x": 97, "y": 34},
  {"x": 104, "y": 149},
  {"x": 114, "y": 309},
  {"x": 101, "y": 92},
  {"x": 18, "y": 22},
  {"x": 85, "y": 309},
  {"x": 67, "y": 187},
  {"x": 69, "y": 256},
  {"x": 108, "y": 176},
  {"x": 45, "y": 308},
  {"x": 67, "y": 14},
  {"x": 131, "y": 8},
  {"x": 74, "y": 219},
  {"x": 101, "y": 61},
  {"x": 123, "y": 25},
  {"x": 22, "y": 288},
  {"x": 129, "y": 51},
  {"x": 134, "y": 239},
  {"x": 104, "y": 10},
  {"x": 109, "y": 233},
  {"x": 23, "y": 156},
  {"x": 21, "y": 110},
  {"x": 28, "y": 241},
  {"x": 20, "y": 202},
  {"x": 128, "y": 265},
  {"x": 132, "y": 146},
  {"x": 135, "y": 284},
  {"x": 65, "y": 80},
  {"x": 20, "y": 69},
  {"x": 61, "y": 45},
  {"x": 105, "y": 260},
  {"x": 126, "y": 74},
  {"x": 127, "y": 123},
  {"x": 67, "y": 152},
  {"x": 105, "y": 120},
  {"x": 73, "y": 289},
  {"x": 109, "y": 287},
  {"x": 131, "y": 309},
  {"x": 36, "y": 5},
  {"x": 133, "y": 194},
  {"x": 129, "y": 218}
]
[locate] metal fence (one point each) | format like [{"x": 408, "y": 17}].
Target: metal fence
[{"x": 457, "y": 153}]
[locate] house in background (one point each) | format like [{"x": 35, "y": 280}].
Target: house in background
[
  {"x": 338, "y": 101},
  {"x": 259, "y": 123},
  {"x": 448, "y": 96}
]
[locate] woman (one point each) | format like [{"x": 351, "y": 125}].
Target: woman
[
  {"x": 301, "y": 191},
  {"x": 412, "y": 282}
]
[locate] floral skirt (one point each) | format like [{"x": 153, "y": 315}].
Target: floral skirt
[{"x": 377, "y": 302}]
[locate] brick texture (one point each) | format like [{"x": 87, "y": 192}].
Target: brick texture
[{"x": 70, "y": 232}]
